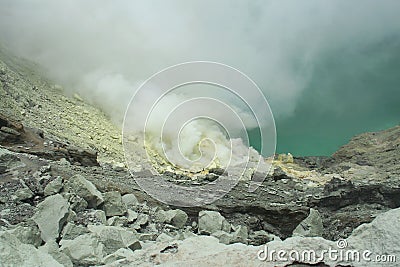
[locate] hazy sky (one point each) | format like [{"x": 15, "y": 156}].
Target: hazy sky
[{"x": 329, "y": 69}]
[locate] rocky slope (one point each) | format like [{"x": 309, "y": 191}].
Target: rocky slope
[
  {"x": 65, "y": 199},
  {"x": 29, "y": 97}
]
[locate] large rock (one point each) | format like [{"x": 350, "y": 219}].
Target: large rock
[
  {"x": 27, "y": 234},
  {"x": 120, "y": 254},
  {"x": 141, "y": 220},
  {"x": 131, "y": 215},
  {"x": 117, "y": 221},
  {"x": 8, "y": 161},
  {"x": 261, "y": 237},
  {"x": 52, "y": 249},
  {"x": 14, "y": 253},
  {"x": 310, "y": 226},
  {"x": 212, "y": 221},
  {"x": 72, "y": 231},
  {"x": 176, "y": 217},
  {"x": 239, "y": 235},
  {"x": 113, "y": 205},
  {"x": 83, "y": 250},
  {"x": 130, "y": 200},
  {"x": 194, "y": 251},
  {"x": 24, "y": 193},
  {"x": 223, "y": 237},
  {"x": 100, "y": 215},
  {"x": 50, "y": 216},
  {"x": 299, "y": 249},
  {"x": 381, "y": 236},
  {"x": 27, "y": 140},
  {"x": 79, "y": 185},
  {"x": 77, "y": 203},
  {"x": 53, "y": 187},
  {"x": 163, "y": 237},
  {"x": 114, "y": 238}
]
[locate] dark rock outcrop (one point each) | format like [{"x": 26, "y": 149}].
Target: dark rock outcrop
[{"x": 15, "y": 137}]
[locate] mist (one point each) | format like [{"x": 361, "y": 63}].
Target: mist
[{"x": 303, "y": 55}]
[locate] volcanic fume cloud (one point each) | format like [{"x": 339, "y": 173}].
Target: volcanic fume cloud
[
  {"x": 188, "y": 136},
  {"x": 105, "y": 49}
]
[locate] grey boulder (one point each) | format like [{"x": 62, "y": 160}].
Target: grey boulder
[
  {"x": 27, "y": 234},
  {"x": 114, "y": 238},
  {"x": 23, "y": 193},
  {"x": 310, "y": 226},
  {"x": 80, "y": 186},
  {"x": 113, "y": 205},
  {"x": 53, "y": 187},
  {"x": 240, "y": 235},
  {"x": 15, "y": 253},
  {"x": 84, "y": 250},
  {"x": 120, "y": 254},
  {"x": 52, "y": 249},
  {"x": 130, "y": 200},
  {"x": 50, "y": 216},
  {"x": 72, "y": 231},
  {"x": 212, "y": 221},
  {"x": 176, "y": 217}
]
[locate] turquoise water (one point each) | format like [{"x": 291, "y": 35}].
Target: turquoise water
[{"x": 350, "y": 92}]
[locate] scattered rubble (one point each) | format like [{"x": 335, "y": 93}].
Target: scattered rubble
[
  {"x": 76, "y": 222},
  {"x": 60, "y": 207}
]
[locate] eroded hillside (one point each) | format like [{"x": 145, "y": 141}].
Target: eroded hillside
[{"x": 39, "y": 103}]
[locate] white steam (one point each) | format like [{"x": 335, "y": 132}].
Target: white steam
[
  {"x": 191, "y": 130},
  {"x": 104, "y": 49}
]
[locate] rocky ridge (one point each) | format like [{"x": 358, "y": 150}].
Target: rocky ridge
[{"x": 84, "y": 215}]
